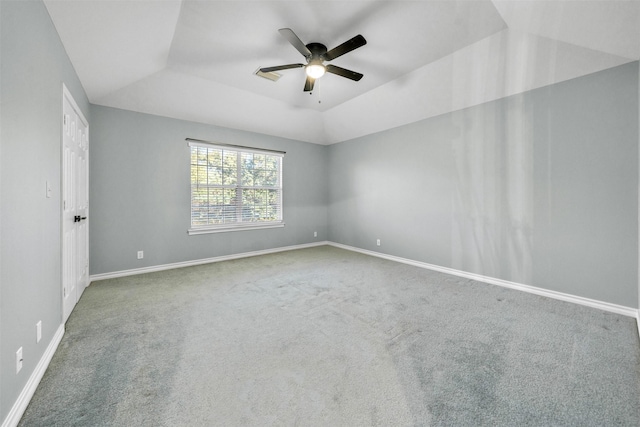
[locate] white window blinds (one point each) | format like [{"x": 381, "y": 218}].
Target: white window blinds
[{"x": 234, "y": 188}]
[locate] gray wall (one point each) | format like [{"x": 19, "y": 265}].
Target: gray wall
[
  {"x": 539, "y": 188},
  {"x": 33, "y": 67},
  {"x": 140, "y": 192}
]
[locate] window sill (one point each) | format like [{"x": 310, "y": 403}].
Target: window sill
[{"x": 224, "y": 229}]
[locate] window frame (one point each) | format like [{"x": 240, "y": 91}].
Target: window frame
[{"x": 239, "y": 189}]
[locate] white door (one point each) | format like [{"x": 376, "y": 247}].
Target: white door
[{"x": 75, "y": 204}]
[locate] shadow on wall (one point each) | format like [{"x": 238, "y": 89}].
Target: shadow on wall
[
  {"x": 492, "y": 200},
  {"x": 538, "y": 188},
  {"x": 544, "y": 187}
]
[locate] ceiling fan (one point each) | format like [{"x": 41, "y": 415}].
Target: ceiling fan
[{"x": 316, "y": 54}]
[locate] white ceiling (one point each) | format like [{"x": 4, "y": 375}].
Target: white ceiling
[{"x": 194, "y": 60}]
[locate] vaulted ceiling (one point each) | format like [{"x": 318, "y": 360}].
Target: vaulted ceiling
[{"x": 195, "y": 60}]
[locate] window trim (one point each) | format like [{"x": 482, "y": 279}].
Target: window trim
[
  {"x": 223, "y": 228},
  {"x": 202, "y": 143},
  {"x": 235, "y": 227}
]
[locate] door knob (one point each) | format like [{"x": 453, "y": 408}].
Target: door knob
[{"x": 78, "y": 218}]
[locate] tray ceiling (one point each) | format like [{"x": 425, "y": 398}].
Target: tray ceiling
[{"x": 195, "y": 60}]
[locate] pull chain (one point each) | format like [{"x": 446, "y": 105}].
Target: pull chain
[{"x": 316, "y": 88}]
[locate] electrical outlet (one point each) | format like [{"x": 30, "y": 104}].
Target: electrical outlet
[
  {"x": 140, "y": 254},
  {"x": 18, "y": 360},
  {"x": 315, "y": 234},
  {"x": 378, "y": 242},
  {"x": 38, "y": 331}
]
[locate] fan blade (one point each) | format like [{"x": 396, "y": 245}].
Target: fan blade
[
  {"x": 346, "y": 47},
  {"x": 343, "y": 72},
  {"x": 308, "y": 84},
  {"x": 295, "y": 41},
  {"x": 280, "y": 67}
]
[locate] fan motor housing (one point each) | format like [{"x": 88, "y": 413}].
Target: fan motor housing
[{"x": 318, "y": 50}]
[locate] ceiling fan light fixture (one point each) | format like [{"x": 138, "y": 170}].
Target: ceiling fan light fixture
[
  {"x": 315, "y": 54},
  {"x": 315, "y": 70}
]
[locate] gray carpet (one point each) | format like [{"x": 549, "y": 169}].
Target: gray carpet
[{"x": 329, "y": 337}]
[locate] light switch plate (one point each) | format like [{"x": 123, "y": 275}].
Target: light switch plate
[{"x": 38, "y": 331}]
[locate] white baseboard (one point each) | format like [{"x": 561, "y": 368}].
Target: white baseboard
[
  {"x": 162, "y": 267},
  {"x": 20, "y": 405},
  {"x": 614, "y": 308}
]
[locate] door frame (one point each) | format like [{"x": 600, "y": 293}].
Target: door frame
[{"x": 66, "y": 94}]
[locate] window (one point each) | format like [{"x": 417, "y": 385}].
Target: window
[{"x": 234, "y": 188}]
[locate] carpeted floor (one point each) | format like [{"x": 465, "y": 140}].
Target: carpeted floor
[{"x": 328, "y": 337}]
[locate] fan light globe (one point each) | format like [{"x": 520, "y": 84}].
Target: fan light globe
[{"x": 315, "y": 71}]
